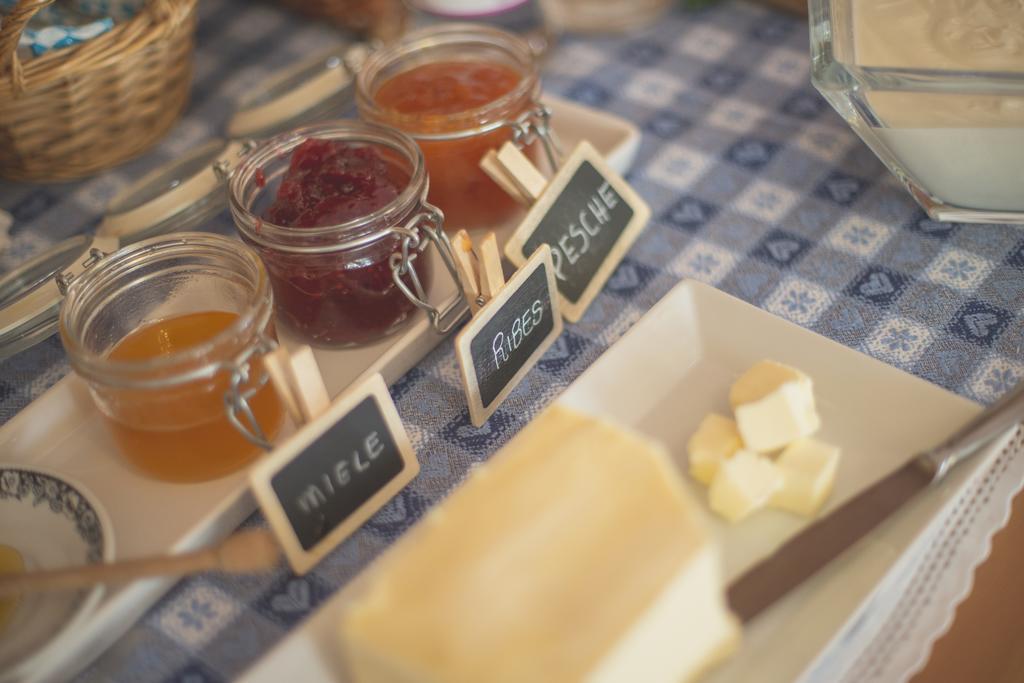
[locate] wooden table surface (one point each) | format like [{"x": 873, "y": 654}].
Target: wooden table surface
[{"x": 986, "y": 641}]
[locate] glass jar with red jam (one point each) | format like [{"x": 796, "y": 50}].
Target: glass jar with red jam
[
  {"x": 338, "y": 213},
  {"x": 458, "y": 90}
]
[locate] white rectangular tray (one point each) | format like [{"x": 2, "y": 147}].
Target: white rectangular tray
[
  {"x": 673, "y": 367},
  {"x": 63, "y": 432}
]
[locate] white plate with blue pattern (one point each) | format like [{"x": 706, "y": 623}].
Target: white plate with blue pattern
[{"x": 52, "y": 523}]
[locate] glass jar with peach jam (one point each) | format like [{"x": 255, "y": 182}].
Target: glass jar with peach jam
[
  {"x": 338, "y": 214},
  {"x": 169, "y": 334},
  {"x": 459, "y": 90}
]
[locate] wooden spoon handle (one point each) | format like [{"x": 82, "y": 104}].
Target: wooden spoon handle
[
  {"x": 126, "y": 570},
  {"x": 247, "y": 551}
]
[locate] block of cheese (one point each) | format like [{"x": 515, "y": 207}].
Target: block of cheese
[
  {"x": 808, "y": 468},
  {"x": 774, "y": 405},
  {"x": 572, "y": 555},
  {"x": 744, "y": 484},
  {"x": 715, "y": 440}
]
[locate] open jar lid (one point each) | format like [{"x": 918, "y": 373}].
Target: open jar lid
[
  {"x": 315, "y": 89},
  {"x": 189, "y": 191},
  {"x": 179, "y": 196},
  {"x": 182, "y": 195},
  {"x": 30, "y": 295}
]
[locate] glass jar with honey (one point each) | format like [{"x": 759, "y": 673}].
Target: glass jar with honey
[
  {"x": 460, "y": 90},
  {"x": 338, "y": 213},
  {"x": 169, "y": 333}
]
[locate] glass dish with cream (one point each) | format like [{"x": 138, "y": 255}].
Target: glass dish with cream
[{"x": 936, "y": 89}]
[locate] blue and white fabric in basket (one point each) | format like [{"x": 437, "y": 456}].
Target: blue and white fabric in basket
[{"x": 70, "y": 22}]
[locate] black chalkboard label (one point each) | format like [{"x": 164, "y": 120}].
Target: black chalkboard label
[
  {"x": 582, "y": 226},
  {"x": 335, "y": 472},
  {"x": 589, "y": 216},
  {"x": 509, "y": 335}
]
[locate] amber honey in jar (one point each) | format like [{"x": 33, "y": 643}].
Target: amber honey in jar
[
  {"x": 168, "y": 333},
  {"x": 456, "y": 89},
  {"x": 338, "y": 213}
]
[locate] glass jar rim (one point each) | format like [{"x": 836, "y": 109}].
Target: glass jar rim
[
  {"x": 352, "y": 234},
  {"x": 122, "y": 265},
  {"x": 446, "y": 35}
]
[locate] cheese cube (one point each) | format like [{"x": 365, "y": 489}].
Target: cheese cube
[
  {"x": 763, "y": 377},
  {"x": 808, "y": 469},
  {"x": 573, "y": 555},
  {"x": 744, "y": 483},
  {"x": 774, "y": 405},
  {"x": 715, "y": 440}
]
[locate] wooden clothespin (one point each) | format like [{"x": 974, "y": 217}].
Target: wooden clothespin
[
  {"x": 480, "y": 268},
  {"x": 514, "y": 173},
  {"x": 297, "y": 379}
]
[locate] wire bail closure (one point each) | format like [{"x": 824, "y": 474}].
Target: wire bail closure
[
  {"x": 530, "y": 126},
  {"x": 418, "y": 233},
  {"x": 534, "y": 125},
  {"x": 236, "y": 401},
  {"x": 223, "y": 168},
  {"x": 63, "y": 278}
]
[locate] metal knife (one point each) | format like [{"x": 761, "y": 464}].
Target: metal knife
[{"x": 810, "y": 550}]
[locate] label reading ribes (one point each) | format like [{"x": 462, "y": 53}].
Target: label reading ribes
[{"x": 509, "y": 335}]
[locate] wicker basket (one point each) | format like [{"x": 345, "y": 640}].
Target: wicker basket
[
  {"x": 383, "y": 19},
  {"x": 72, "y": 112}
]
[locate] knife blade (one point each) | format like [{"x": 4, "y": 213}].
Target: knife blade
[{"x": 803, "y": 555}]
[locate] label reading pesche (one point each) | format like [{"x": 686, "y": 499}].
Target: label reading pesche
[
  {"x": 509, "y": 335},
  {"x": 590, "y": 217},
  {"x": 334, "y": 473}
]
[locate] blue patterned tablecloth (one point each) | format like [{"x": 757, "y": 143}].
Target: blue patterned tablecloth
[{"x": 757, "y": 187}]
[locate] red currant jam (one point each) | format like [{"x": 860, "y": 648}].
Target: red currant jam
[
  {"x": 331, "y": 182},
  {"x": 344, "y": 296}
]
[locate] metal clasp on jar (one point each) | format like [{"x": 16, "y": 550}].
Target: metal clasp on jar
[
  {"x": 534, "y": 125},
  {"x": 65, "y": 277},
  {"x": 419, "y": 232},
  {"x": 236, "y": 400},
  {"x": 229, "y": 159}
]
